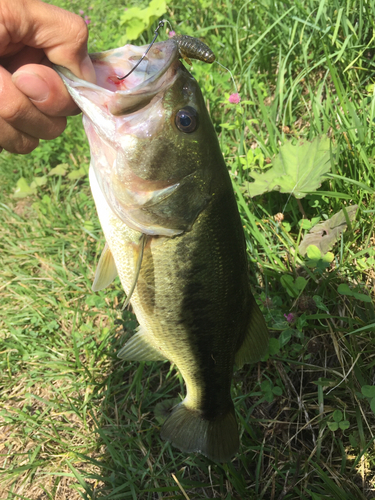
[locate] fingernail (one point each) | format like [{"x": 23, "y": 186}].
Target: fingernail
[
  {"x": 87, "y": 70},
  {"x": 31, "y": 85}
]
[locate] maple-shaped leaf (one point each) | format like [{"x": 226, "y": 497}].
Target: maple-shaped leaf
[
  {"x": 325, "y": 234},
  {"x": 60, "y": 169},
  {"x": 297, "y": 169},
  {"x": 23, "y": 189}
]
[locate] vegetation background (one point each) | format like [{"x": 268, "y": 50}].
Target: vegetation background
[{"x": 75, "y": 422}]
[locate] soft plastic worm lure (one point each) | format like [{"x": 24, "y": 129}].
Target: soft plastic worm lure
[
  {"x": 188, "y": 46},
  {"x": 194, "y": 48}
]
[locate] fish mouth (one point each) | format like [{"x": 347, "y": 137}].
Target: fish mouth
[
  {"x": 154, "y": 74},
  {"x": 124, "y": 120}
]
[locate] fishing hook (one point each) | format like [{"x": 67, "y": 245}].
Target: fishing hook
[{"x": 156, "y": 32}]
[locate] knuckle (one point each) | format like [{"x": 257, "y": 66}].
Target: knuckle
[
  {"x": 13, "y": 111},
  {"x": 79, "y": 31},
  {"x": 24, "y": 145},
  {"x": 57, "y": 128},
  {"x": 16, "y": 141}
]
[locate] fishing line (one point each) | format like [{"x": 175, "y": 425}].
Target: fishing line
[
  {"x": 231, "y": 75},
  {"x": 156, "y": 32}
]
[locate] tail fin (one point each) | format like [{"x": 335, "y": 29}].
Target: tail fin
[{"x": 216, "y": 439}]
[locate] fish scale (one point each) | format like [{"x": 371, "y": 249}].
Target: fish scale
[
  {"x": 174, "y": 236},
  {"x": 177, "y": 326}
]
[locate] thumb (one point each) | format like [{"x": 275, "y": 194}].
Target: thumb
[
  {"x": 62, "y": 35},
  {"x": 45, "y": 89}
]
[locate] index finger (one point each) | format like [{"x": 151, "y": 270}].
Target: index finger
[{"x": 62, "y": 35}]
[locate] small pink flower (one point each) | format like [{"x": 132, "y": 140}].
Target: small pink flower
[
  {"x": 289, "y": 317},
  {"x": 87, "y": 20},
  {"x": 171, "y": 34},
  {"x": 81, "y": 12},
  {"x": 91, "y": 7},
  {"x": 234, "y": 98}
]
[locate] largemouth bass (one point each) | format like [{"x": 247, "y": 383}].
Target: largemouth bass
[{"x": 173, "y": 234}]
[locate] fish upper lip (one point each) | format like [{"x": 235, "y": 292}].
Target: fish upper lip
[{"x": 109, "y": 59}]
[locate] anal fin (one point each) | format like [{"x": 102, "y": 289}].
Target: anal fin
[
  {"x": 106, "y": 271},
  {"x": 138, "y": 348},
  {"x": 255, "y": 342}
]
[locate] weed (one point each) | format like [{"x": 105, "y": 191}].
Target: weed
[{"x": 78, "y": 423}]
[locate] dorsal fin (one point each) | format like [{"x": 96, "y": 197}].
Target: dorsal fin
[
  {"x": 106, "y": 271},
  {"x": 142, "y": 242}
]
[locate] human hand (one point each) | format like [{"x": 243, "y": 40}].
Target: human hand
[{"x": 34, "y": 102}]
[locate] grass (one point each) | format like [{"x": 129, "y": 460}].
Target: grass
[{"x": 78, "y": 423}]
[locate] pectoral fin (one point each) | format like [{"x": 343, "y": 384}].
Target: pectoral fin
[
  {"x": 106, "y": 271},
  {"x": 138, "y": 348},
  {"x": 138, "y": 265},
  {"x": 255, "y": 342}
]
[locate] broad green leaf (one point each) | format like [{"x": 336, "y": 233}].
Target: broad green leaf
[
  {"x": 305, "y": 223},
  {"x": 313, "y": 252},
  {"x": 285, "y": 336},
  {"x": 333, "y": 426},
  {"x": 266, "y": 386},
  {"x": 300, "y": 283},
  {"x": 344, "y": 424},
  {"x": 293, "y": 287},
  {"x": 372, "y": 405},
  {"x": 328, "y": 257},
  {"x": 325, "y": 234},
  {"x": 77, "y": 174},
  {"x": 131, "y": 13},
  {"x": 344, "y": 289},
  {"x": 60, "y": 169},
  {"x": 316, "y": 259},
  {"x": 134, "y": 30},
  {"x": 273, "y": 346},
  {"x": 337, "y": 415},
  {"x": 298, "y": 169},
  {"x": 368, "y": 391},
  {"x": 137, "y": 19},
  {"x": 38, "y": 181},
  {"x": 23, "y": 189},
  {"x": 157, "y": 8},
  {"x": 268, "y": 396},
  {"x": 362, "y": 296}
]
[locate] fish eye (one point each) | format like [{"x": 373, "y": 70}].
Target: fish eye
[{"x": 187, "y": 119}]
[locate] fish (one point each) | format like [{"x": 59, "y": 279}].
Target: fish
[{"x": 173, "y": 234}]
